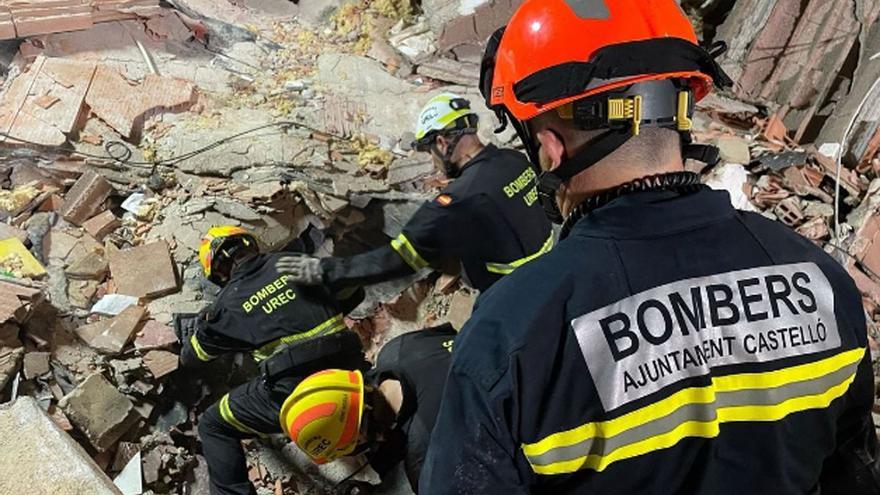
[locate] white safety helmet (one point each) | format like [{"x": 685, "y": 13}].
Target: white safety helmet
[{"x": 445, "y": 113}]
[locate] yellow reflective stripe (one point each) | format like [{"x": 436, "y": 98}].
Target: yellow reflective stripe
[
  {"x": 329, "y": 327},
  {"x": 709, "y": 429},
  {"x": 408, "y": 252},
  {"x": 508, "y": 268},
  {"x": 743, "y": 387},
  {"x": 200, "y": 353},
  {"x": 226, "y": 414}
]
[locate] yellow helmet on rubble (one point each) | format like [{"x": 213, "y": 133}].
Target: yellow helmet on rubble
[
  {"x": 323, "y": 414},
  {"x": 215, "y": 248}
]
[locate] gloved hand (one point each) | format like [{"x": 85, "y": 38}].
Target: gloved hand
[
  {"x": 185, "y": 324},
  {"x": 354, "y": 488},
  {"x": 301, "y": 269}
]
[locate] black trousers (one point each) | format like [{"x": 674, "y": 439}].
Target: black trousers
[{"x": 251, "y": 411}]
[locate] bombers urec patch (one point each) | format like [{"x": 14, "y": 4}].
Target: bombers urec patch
[{"x": 443, "y": 200}]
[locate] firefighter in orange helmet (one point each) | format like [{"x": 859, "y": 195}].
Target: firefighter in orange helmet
[{"x": 669, "y": 343}]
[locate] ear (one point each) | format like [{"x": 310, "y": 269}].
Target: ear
[
  {"x": 552, "y": 147},
  {"x": 442, "y": 143}
]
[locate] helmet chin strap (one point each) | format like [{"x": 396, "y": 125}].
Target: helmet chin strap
[
  {"x": 590, "y": 154},
  {"x": 450, "y": 168}
]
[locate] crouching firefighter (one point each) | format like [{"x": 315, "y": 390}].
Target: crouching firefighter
[
  {"x": 669, "y": 344},
  {"x": 291, "y": 331},
  {"x": 487, "y": 220},
  {"x": 387, "y": 414}
]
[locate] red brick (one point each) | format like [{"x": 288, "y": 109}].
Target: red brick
[{"x": 102, "y": 224}]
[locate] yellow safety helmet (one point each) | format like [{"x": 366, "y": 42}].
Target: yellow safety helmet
[
  {"x": 213, "y": 242},
  {"x": 323, "y": 414}
]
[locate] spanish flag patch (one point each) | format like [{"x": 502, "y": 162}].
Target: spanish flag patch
[{"x": 443, "y": 200}]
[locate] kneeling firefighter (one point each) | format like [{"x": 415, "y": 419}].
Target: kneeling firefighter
[
  {"x": 291, "y": 331},
  {"x": 388, "y": 414}
]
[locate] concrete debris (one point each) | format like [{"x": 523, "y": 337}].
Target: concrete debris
[
  {"x": 100, "y": 411},
  {"x": 169, "y": 121},
  {"x": 36, "y": 364},
  {"x": 92, "y": 266},
  {"x": 31, "y": 443}
]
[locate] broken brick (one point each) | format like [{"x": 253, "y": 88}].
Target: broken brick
[
  {"x": 154, "y": 335},
  {"x": 789, "y": 212},
  {"x": 111, "y": 336},
  {"x": 161, "y": 363},
  {"x": 86, "y": 198},
  {"x": 143, "y": 271},
  {"x": 100, "y": 411},
  {"x": 102, "y": 224},
  {"x": 36, "y": 364},
  {"x": 92, "y": 266}
]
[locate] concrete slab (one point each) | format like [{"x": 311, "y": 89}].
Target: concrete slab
[{"x": 31, "y": 445}]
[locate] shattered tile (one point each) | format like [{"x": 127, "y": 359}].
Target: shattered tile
[
  {"x": 125, "y": 107},
  {"x": 161, "y": 363},
  {"x": 144, "y": 271},
  {"x": 86, "y": 198},
  {"x": 111, "y": 336},
  {"x": 100, "y": 411}
]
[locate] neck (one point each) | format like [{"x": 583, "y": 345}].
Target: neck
[
  {"x": 604, "y": 176},
  {"x": 467, "y": 149}
]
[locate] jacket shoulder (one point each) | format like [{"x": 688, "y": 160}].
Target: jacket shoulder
[{"x": 507, "y": 316}]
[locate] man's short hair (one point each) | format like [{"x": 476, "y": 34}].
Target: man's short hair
[{"x": 653, "y": 145}]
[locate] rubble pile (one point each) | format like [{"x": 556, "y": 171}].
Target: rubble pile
[{"x": 124, "y": 141}]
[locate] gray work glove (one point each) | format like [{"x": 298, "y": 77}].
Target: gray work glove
[{"x": 301, "y": 269}]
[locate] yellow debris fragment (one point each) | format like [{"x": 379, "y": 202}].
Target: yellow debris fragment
[
  {"x": 17, "y": 261},
  {"x": 16, "y": 199}
]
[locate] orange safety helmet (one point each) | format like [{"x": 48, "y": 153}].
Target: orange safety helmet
[
  {"x": 604, "y": 64},
  {"x": 323, "y": 414}
]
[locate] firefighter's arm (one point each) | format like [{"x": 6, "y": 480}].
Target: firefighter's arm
[
  {"x": 376, "y": 266},
  {"x": 854, "y": 467},
  {"x": 470, "y": 451},
  {"x": 440, "y": 231},
  {"x": 204, "y": 343}
]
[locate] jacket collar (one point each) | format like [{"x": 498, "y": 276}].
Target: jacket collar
[{"x": 649, "y": 214}]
